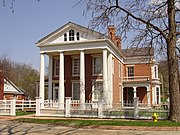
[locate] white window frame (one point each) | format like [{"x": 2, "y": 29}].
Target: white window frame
[
  {"x": 128, "y": 70},
  {"x": 155, "y": 71},
  {"x": 56, "y": 68},
  {"x": 71, "y": 35},
  {"x": 93, "y": 66},
  {"x": 73, "y": 66},
  {"x": 93, "y": 89},
  {"x": 75, "y": 82}
]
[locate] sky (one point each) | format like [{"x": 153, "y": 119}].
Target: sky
[{"x": 31, "y": 21}]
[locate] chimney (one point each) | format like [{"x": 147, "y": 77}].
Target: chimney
[
  {"x": 118, "y": 42},
  {"x": 1, "y": 85},
  {"x": 112, "y": 33},
  {"x": 113, "y": 37}
]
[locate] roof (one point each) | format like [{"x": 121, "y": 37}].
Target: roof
[
  {"x": 10, "y": 87},
  {"x": 134, "y": 52},
  {"x": 69, "y": 23}
]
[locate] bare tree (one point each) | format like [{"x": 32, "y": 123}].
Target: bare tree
[
  {"x": 155, "y": 23},
  {"x": 23, "y": 75}
]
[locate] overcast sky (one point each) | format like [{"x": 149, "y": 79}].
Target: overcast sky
[{"x": 31, "y": 21}]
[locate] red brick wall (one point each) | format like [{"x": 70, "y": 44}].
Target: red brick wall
[
  {"x": 68, "y": 75},
  {"x": 10, "y": 96},
  {"x": 88, "y": 76},
  {"x": 142, "y": 94},
  {"x": 139, "y": 70},
  {"x": 116, "y": 90},
  {"x": 1, "y": 85}
]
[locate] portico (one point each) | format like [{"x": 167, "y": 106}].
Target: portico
[{"x": 82, "y": 55}]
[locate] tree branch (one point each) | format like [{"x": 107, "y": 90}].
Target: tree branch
[{"x": 139, "y": 19}]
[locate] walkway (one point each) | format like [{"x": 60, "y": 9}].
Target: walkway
[{"x": 17, "y": 128}]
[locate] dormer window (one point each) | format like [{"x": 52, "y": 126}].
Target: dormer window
[
  {"x": 65, "y": 37},
  {"x": 71, "y": 35},
  {"x": 77, "y": 35}
]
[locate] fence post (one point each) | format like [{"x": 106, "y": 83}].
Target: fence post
[
  {"x": 100, "y": 108},
  {"x": 22, "y": 105},
  {"x": 13, "y": 107},
  {"x": 136, "y": 107},
  {"x": 68, "y": 107},
  {"x": 38, "y": 106}
]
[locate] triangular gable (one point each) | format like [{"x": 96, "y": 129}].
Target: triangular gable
[
  {"x": 57, "y": 36},
  {"x": 10, "y": 87}
]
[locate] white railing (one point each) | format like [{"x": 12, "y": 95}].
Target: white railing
[
  {"x": 9, "y": 107},
  {"x": 5, "y": 106},
  {"x": 132, "y": 109},
  {"x": 135, "y": 78},
  {"x": 26, "y": 105}
]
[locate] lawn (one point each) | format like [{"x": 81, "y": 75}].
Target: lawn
[
  {"x": 19, "y": 113},
  {"x": 87, "y": 122}
]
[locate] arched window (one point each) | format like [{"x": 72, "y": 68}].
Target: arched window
[
  {"x": 71, "y": 35},
  {"x": 77, "y": 35},
  {"x": 65, "y": 37}
]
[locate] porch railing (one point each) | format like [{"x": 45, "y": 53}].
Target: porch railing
[{"x": 135, "y": 78}]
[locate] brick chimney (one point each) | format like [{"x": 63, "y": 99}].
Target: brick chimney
[
  {"x": 113, "y": 37},
  {"x": 1, "y": 85},
  {"x": 118, "y": 42},
  {"x": 112, "y": 33}
]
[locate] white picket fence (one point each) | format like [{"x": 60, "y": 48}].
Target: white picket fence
[
  {"x": 72, "y": 108},
  {"x": 9, "y": 107}
]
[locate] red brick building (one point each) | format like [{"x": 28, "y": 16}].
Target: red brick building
[
  {"x": 8, "y": 89},
  {"x": 87, "y": 65}
]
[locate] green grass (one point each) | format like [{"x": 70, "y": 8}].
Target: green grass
[
  {"x": 20, "y": 113},
  {"x": 81, "y": 123}
]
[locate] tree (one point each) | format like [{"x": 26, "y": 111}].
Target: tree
[
  {"x": 153, "y": 22},
  {"x": 23, "y": 75}
]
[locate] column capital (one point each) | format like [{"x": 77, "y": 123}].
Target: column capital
[
  {"x": 81, "y": 50},
  {"x": 61, "y": 51},
  {"x": 41, "y": 52}
]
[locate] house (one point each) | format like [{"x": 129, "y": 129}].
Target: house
[
  {"x": 8, "y": 89},
  {"x": 88, "y": 66}
]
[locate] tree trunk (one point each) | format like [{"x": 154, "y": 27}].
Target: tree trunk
[{"x": 173, "y": 65}]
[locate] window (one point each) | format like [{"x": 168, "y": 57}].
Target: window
[
  {"x": 155, "y": 72},
  {"x": 75, "y": 91},
  {"x": 76, "y": 66},
  {"x": 65, "y": 37},
  {"x": 157, "y": 94},
  {"x": 119, "y": 70},
  {"x": 130, "y": 72},
  {"x": 56, "y": 67},
  {"x": 97, "y": 90},
  {"x": 97, "y": 65},
  {"x": 77, "y": 35},
  {"x": 71, "y": 35}
]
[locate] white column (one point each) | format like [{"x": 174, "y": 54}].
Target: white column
[
  {"x": 159, "y": 95},
  {"x": 122, "y": 96},
  {"x": 110, "y": 79},
  {"x": 148, "y": 95},
  {"x": 41, "y": 86},
  {"x": 134, "y": 90},
  {"x": 82, "y": 77},
  {"x": 50, "y": 78},
  {"x": 105, "y": 74},
  {"x": 61, "y": 81}
]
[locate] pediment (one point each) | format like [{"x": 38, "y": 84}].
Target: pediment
[{"x": 70, "y": 32}]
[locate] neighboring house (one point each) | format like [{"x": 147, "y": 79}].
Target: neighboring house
[
  {"x": 8, "y": 89},
  {"x": 88, "y": 66}
]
